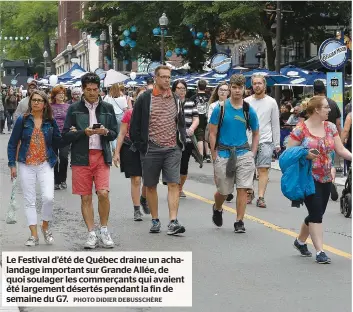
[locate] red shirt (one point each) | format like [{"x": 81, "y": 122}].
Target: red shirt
[{"x": 127, "y": 119}]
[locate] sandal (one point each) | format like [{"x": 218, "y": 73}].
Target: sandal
[
  {"x": 261, "y": 203},
  {"x": 250, "y": 197}
]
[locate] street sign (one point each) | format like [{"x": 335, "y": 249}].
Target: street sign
[
  {"x": 152, "y": 66},
  {"x": 333, "y": 54},
  {"x": 335, "y": 89},
  {"x": 221, "y": 63}
]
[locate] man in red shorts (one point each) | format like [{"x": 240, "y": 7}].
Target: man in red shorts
[{"x": 90, "y": 126}]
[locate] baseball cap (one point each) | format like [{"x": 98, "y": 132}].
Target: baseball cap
[{"x": 32, "y": 83}]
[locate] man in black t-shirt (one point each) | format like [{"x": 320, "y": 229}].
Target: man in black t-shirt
[{"x": 201, "y": 101}]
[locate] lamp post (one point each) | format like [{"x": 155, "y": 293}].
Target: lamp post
[
  {"x": 69, "y": 50},
  {"x": 45, "y": 56},
  {"x": 102, "y": 39},
  {"x": 85, "y": 42},
  {"x": 163, "y": 22}
]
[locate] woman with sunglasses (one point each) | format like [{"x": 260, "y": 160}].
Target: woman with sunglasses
[
  {"x": 35, "y": 132},
  {"x": 191, "y": 115}
]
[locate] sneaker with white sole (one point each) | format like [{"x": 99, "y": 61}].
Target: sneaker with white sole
[
  {"x": 106, "y": 240},
  {"x": 32, "y": 241},
  {"x": 48, "y": 236},
  {"x": 92, "y": 241}
]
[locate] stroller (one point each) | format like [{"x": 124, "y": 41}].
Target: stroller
[{"x": 346, "y": 197}]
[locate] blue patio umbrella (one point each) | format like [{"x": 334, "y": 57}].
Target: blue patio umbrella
[
  {"x": 305, "y": 80},
  {"x": 293, "y": 71},
  {"x": 271, "y": 77}
]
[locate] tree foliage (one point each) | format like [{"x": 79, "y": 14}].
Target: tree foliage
[
  {"x": 35, "y": 19},
  {"x": 235, "y": 18}
]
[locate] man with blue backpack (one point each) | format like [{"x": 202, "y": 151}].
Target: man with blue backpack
[{"x": 232, "y": 156}]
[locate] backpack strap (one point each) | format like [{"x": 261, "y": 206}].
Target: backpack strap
[
  {"x": 220, "y": 121},
  {"x": 246, "y": 109}
]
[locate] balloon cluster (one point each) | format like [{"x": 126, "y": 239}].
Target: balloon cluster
[
  {"x": 199, "y": 38},
  {"x": 129, "y": 37},
  {"x": 157, "y": 31}
]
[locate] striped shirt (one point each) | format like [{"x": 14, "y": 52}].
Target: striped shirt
[
  {"x": 163, "y": 126},
  {"x": 190, "y": 111}
]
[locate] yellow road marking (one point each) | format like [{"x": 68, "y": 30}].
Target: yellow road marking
[{"x": 271, "y": 226}]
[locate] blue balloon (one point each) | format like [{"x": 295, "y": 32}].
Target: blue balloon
[
  {"x": 204, "y": 44},
  {"x": 127, "y": 39},
  {"x": 133, "y": 29},
  {"x": 156, "y": 31},
  {"x": 126, "y": 62},
  {"x": 193, "y": 34},
  {"x": 122, "y": 43},
  {"x": 177, "y": 51},
  {"x": 132, "y": 43},
  {"x": 184, "y": 51},
  {"x": 199, "y": 35},
  {"x": 169, "y": 54},
  {"x": 197, "y": 42},
  {"x": 126, "y": 33}
]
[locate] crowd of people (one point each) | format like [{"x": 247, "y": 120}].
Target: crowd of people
[{"x": 154, "y": 133}]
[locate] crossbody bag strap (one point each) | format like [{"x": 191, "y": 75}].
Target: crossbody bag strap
[{"x": 117, "y": 104}]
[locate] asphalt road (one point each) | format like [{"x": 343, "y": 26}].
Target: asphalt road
[{"x": 256, "y": 271}]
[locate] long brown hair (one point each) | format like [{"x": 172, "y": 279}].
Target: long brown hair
[
  {"x": 214, "y": 96},
  {"x": 47, "y": 111},
  {"x": 114, "y": 91}
]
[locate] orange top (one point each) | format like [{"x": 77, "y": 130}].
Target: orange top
[
  {"x": 157, "y": 92},
  {"x": 36, "y": 152}
]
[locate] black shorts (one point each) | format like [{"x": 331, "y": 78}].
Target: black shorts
[
  {"x": 130, "y": 162},
  {"x": 185, "y": 158}
]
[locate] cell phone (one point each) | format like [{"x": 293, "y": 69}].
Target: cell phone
[
  {"x": 96, "y": 126},
  {"x": 314, "y": 151}
]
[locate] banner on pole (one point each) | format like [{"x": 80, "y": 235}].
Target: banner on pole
[{"x": 334, "y": 88}]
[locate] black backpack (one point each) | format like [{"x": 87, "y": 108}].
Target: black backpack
[{"x": 246, "y": 108}]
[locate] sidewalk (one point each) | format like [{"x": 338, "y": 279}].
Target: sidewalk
[
  {"x": 5, "y": 309},
  {"x": 339, "y": 180}
]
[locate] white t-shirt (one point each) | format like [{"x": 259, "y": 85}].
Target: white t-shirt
[
  {"x": 119, "y": 103},
  {"x": 210, "y": 110},
  {"x": 268, "y": 115}
]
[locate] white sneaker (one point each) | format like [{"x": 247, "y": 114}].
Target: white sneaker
[
  {"x": 92, "y": 241},
  {"x": 106, "y": 240},
  {"x": 32, "y": 241}
]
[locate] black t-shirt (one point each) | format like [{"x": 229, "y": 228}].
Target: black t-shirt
[
  {"x": 335, "y": 111},
  {"x": 201, "y": 102},
  {"x": 283, "y": 118},
  {"x": 333, "y": 114}
]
